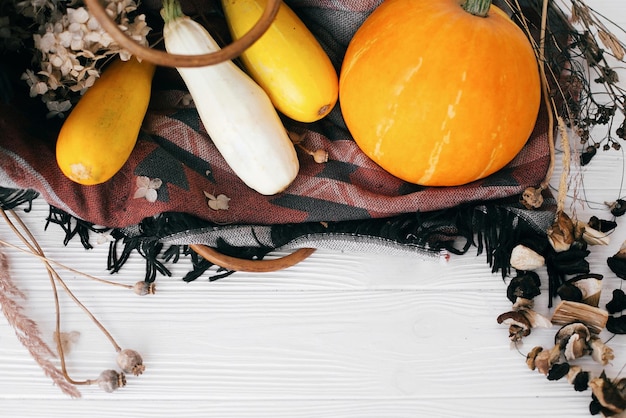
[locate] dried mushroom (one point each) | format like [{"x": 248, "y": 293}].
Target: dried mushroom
[
  {"x": 525, "y": 285},
  {"x": 600, "y": 352},
  {"x": 558, "y": 371},
  {"x": 536, "y": 319},
  {"x": 587, "y": 155},
  {"x": 585, "y": 288},
  {"x": 523, "y": 304},
  {"x": 519, "y": 326},
  {"x": 616, "y": 324},
  {"x": 567, "y": 291},
  {"x": 617, "y": 262},
  {"x": 601, "y": 225},
  {"x": 610, "y": 399},
  {"x": 524, "y": 258},
  {"x": 568, "y": 312},
  {"x": 617, "y": 302},
  {"x": 572, "y": 261},
  {"x": 618, "y": 208},
  {"x": 532, "y": 198},
  {"x": 573, "y": 339},
  {"x": 579, "y": 378},
  {"x": 561, "y": 233},
  {"x": 594, "y": 237},
  {"x": 546, "y": 358},
  {"x": 524, "y": 307},
  {"x": 532, "y": 355}
]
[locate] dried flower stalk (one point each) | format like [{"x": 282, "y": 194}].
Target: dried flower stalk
[
  {"x": 27, "y": 330},
  {"x": 127, "y": 359}
]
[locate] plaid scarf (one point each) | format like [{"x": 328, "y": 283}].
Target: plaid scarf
[{"x": 170, "y": 189}]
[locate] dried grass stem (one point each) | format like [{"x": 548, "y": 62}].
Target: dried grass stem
[{"x": 29, "y": 240}]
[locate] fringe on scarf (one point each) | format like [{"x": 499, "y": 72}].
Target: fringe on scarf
[
  {"x": 492, "y": 229},
  {"x": 12, "y": 198}
]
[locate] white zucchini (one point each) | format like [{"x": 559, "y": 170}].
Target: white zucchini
[{"x": 236, "y": 112}]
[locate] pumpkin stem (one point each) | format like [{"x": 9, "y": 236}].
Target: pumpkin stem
[{"x": 477, "y": 7}]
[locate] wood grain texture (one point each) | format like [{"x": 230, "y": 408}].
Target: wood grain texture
[{"x": 338, "y": 335}]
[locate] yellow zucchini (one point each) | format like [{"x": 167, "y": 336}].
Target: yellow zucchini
[
  {"x": 101, "y": 131},
  {"x": 287, "y": 61}
]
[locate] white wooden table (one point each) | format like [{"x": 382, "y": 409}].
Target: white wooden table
[{"x": 338, "y": 335}]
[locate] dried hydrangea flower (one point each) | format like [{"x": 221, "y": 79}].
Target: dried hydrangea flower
[
  {"x": 72, "y": 47},
  {"x": 219, "y": 202},
  {"x": 148, "y": 188}
]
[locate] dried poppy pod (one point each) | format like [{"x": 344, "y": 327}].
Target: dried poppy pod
[{"x": 111, "y": 380}]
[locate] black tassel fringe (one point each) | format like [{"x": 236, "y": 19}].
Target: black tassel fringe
[
  {"x": 493, "y": 229},
  {"x": 12, "y": 198}
]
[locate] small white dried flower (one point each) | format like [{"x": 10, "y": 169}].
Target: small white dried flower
[
  {"x": 79, "y": 15},
  {"x": 45, "y": 43},
  {"x": 71, "y": 40},
  {"x": 57, "y": 108},
  {"x": 104, "y": 238},
  {"x": 147, "y": 188},
  {"x": 38, "y": 89},
  {"x": 64, "y": 39},
  {"x": 219, "y": 202},
  {"x": 93, "y": 24}
]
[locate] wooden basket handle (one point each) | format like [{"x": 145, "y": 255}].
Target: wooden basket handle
[
  {"x": 253, "y": 266},
  {"x": 174, "y": 60}
]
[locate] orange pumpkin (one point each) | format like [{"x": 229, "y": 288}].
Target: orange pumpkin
[{"x": 436, "y": 95}]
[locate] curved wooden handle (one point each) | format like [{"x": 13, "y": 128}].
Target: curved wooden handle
[
  {"x": 174, "y": 60},
  {"x": 253, "y": 266}
]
